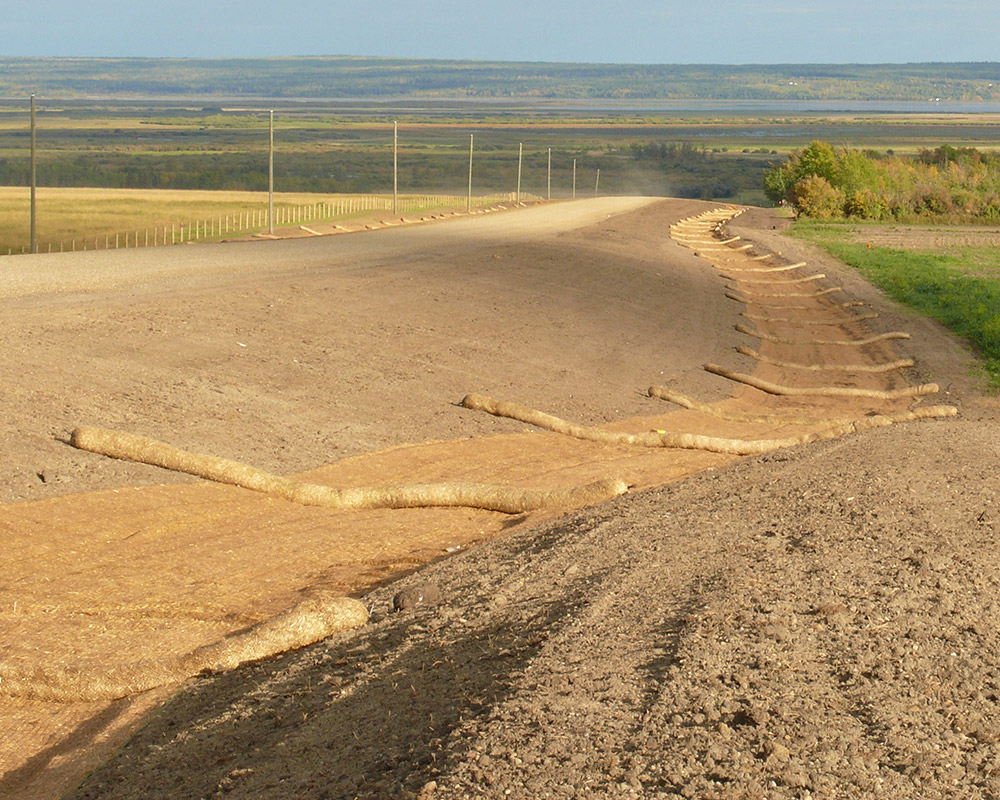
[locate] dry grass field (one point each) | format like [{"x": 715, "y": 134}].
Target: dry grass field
[
  {"x": 65, "y": 214},
  {"x": 87, "y": 218}
]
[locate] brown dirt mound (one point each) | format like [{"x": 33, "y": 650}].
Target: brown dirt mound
[
  {"x": 817, "y": 620},
  {"x": 286, "y": 355},
  {"x": 570, "y": 660},
  {"x": 810, "y": 622}
]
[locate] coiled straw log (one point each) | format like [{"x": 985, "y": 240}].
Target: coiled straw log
[
  {"x": 313, "y": 619},
  {"x": 784, "y": 268},
  {"x": 785, "y": 307},
  {"x": 472, "y": 495},
  {"x": 823, "y": 391},
  {"x": 753, "y": 293},
  {"x": 826, "y": 323},
  {"x": 921, "y": 412},
  {"x": 882, "y": 337},
  {"x": 889, "y": 366},
  {"x": 685, "y": 441},
  {"x": 774, "y": 281},
  {"x": 681, "y": 441}
]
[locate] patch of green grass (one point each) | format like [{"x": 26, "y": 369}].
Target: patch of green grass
[{"x": 960, "y": 288}]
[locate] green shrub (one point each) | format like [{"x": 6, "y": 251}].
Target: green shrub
[
  {"x": 813, "y": 196},
  {"x": 930, "y": 200},
  {"x": 949, "y": 184},
  {"x": 778, "y": 182},
  {"x": 817, "y": 159},
  {"x": 867, "y": 204}
]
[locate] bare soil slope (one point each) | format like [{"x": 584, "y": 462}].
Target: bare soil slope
[
  {"x": 292, "y": 355},
  {"x": 815, "y": 621},
  {"x": 818, "y": 620}
]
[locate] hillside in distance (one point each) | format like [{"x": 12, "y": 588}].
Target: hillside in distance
[{"x": 356, "y": 77}]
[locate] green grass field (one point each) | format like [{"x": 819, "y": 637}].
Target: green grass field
[{"x": 957, "y": 285}]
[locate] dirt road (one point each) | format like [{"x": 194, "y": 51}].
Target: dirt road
[
  {"x": 295, "y": 353},
  {"x": 814, "y": 620}
]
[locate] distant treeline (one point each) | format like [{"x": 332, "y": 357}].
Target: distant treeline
[
  {"x": 677, "y": 171},
  {"x": 694, "y": 172},
  {"x": 945, "y": 184},
  {"x": 340, "y": 77}
]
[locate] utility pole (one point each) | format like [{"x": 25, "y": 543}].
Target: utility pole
[
  {"x": 520, "y": 151},
  {"x": 468, "y": 208},
  {"x": 270, "y": 173},
  {"x": 395, "y": 167},
  {"x": 34, "y": 232},
  {"x": 548, "y": 191}
]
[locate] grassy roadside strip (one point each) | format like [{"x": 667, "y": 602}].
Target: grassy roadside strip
[
  {"x": 959, "y": 287},
  {"x": 89, "y": 219}
]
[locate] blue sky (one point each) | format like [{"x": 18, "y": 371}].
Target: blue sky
[{"x": 622, "y": 31}]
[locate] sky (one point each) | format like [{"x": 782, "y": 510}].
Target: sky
[{"x": 612, "y": 31}]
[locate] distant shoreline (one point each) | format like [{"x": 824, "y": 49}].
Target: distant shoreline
[
  {"x": 231, "y": 103},
  {"x": 349, "y": 79}
]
